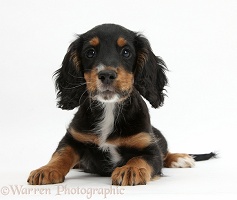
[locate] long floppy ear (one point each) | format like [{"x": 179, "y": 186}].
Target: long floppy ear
[
  {"x": 70, "y": 82},
  {"x": 150, "y": 78}
]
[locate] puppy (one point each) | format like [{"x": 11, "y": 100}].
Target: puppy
[{"x": 105, "y": 72}]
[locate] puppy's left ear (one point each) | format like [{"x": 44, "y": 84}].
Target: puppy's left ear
[{"x": 150, "y": 78}]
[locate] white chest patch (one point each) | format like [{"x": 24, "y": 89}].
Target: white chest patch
[{"x": 105, "y": 127}]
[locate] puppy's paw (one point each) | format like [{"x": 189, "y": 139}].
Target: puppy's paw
[
  {"x": 178, "y": 160},
  {"x": 183, "y": 162},
  {"x": 130, "y": 175},
  {"x": 45, "y": 175}
]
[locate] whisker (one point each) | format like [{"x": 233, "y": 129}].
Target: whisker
[
  {"x": 77, "y": 86},
  {"x": 75, "y": 76},
  {"x": 81, "y": 97}
]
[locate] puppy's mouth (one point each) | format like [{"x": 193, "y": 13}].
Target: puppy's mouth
[{"x": 107, "y": 94}]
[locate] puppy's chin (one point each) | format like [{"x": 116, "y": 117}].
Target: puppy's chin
[{"x": 108, "y": 97}]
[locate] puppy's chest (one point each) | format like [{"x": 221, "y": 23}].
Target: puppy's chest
[{"x": 105, "y": 127}]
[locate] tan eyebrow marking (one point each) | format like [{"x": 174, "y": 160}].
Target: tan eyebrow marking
[
  {"x": 121, "y": 42},
  {"x": 94, "y": 41}
]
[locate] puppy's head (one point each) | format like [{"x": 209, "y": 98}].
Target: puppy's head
[{"x": 106, "y": 64}]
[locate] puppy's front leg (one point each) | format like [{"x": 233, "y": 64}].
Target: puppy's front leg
[
  {"x": 137, "y": 171},
  {"x": 55, "y": 171}
]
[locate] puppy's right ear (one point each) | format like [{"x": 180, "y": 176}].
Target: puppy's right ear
[{"x": 69, "y": 82}]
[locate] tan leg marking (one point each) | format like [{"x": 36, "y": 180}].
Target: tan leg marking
[
  {"x": 136, "y": 172},
  {"x": 57, "y": 168},
  {"x": 139, "y": 141},
  {"x": 84, "y": 137}
]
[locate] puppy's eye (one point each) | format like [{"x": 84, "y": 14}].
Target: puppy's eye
[
  {"x": 90, "y": 53},
  {"x": 126, "y": 53}
]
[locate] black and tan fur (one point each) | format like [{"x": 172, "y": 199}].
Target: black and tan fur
[{"x": 105, "y": 72}]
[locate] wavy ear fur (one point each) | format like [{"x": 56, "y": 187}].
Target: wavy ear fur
[
  {"x": 150, "y": 78},
  {"x": 70, "y": 82}
]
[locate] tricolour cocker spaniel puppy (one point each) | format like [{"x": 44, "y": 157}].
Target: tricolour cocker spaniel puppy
[{"x": 105, "y": 72}]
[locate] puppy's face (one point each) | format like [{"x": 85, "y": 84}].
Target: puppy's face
[
  {"x": 108, "y": 59},
  {"x": 107, "y": 63}
]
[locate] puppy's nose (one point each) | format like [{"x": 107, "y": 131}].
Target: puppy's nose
[{"x": 107, "y": 76}]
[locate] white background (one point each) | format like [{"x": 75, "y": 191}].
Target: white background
[{"x": 196, "y": 39}]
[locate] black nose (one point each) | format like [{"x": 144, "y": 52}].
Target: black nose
[{"x": 107, "y": 76}]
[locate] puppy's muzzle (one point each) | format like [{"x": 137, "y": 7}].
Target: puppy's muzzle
[{"x": 107, "y": 77}]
